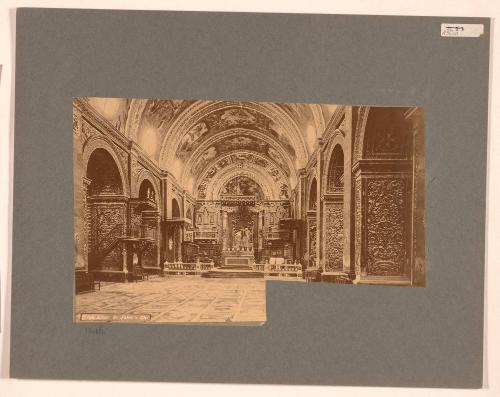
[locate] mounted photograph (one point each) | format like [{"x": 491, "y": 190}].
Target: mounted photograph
[{"x": 184, "y": 208}]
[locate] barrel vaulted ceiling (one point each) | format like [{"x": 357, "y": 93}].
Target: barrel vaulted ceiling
[{"x": 203, "y": 143}]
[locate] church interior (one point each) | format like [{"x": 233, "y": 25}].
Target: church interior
[{"x": 215, "y": 189}]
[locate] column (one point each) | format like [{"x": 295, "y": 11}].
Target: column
[
  {"x": 260, "y": 229},
  {"x": 319, "y": 206},
  {"x": 224, "y": 229}
]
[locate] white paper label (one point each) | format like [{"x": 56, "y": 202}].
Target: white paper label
[{"x": 462, "y": 29}]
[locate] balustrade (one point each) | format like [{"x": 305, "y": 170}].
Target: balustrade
[{"x": 197, "y": 268}]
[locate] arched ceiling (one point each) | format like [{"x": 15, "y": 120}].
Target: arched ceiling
[{"x": 189, "y": 138}]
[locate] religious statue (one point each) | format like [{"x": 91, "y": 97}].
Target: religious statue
[
  {"x": 244, "y": 239},
  {"x": 237, "y": 240}
]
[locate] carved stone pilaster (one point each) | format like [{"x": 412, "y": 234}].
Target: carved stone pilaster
[
  {"x": 358, "y": 222},
  {"x": 86, "y": 220},
  {"x": 334, "y": 228}
]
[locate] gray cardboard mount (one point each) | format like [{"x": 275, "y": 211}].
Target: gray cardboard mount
[{"x": 315, "y": 333}]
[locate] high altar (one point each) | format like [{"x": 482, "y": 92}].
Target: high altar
[{"x": 238, "y": 224}]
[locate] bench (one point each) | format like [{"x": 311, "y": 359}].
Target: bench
[
  {"x": 138, "y": 274},
  {"x": 109, "y": 275},
  {"x": 84, "y": 282}
]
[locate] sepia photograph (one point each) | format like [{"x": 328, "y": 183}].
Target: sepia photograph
[{"x": 184, "y": 208}]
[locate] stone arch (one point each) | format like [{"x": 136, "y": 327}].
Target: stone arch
[
  {"x": 236, "y": 180},
  {"x": 199, "y": 110},
  {"x": 240, "y": 132},
  {"x": 147, "y": 190},
  {"x": 228, "y": 159},
  {"x": 176, "y": 210},
  {"x": 270, "y": 175},
  {"x": 105, "y": 221},
  {"x": 312, "y": 195},
  {"x": 336, "y": 140},
  {"x": 383, "y": 193},
  {"x": 103, "y": 173},
  {"x": 333, "y": 209},
  {"x": 135, "y": 112},
  {"x": 386, "y": 134},
  {"x": 259, "y": 175},
  {"x": 101, "y": 143},
  {"x": 374, "y": 126},
  {"x": 359, "y": 133},
  {"x": 146, "y": 175},
  {"x": 335, "y": 171}
]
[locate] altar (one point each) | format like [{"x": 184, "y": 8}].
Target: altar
[{"x": 237, "y": 258}]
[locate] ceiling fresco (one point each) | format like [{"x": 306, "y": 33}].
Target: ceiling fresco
[
  {"x": 114, "y": 110},
  {"x": 160, "y": 112},
  {"x": 238, "y": 143},
  {"x": 263, "y": 168},
  {"x": 242, "y": 186},
  {"x": 193, "y": 138},
  {"x": 227, "y": 119}
]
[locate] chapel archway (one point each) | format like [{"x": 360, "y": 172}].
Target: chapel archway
[
  {"x": 147, "y": 191},
  {"x": 312, "y": 232},
  {"x": 106, "y": 211},
  {"x": 383, "y": 194},
  {"x": 313, "y": 195},
  {"x": 103, "y": 174},
  {"x": 175, "y": 238},
  {"x": 176, "y": 212},
  {"x": 333, "y": 212}
]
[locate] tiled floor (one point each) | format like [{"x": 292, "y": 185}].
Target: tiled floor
[{"x": 176, "y": 300}]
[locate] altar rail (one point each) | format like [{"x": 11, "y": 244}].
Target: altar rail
[
  {"x": 187, "y": 268},
  {"x": 198, "y": 268},
  {"x": 283, "y": 270}
]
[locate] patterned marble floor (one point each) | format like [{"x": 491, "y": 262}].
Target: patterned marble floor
[{"x": 176, "y": 300}]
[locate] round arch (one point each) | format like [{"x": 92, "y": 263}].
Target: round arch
[
  {"x": 248, "y": 156},
  {"x": 278, "y": 176},
  {"x": 259, "y": 175},
  {"x": 359, "y": 134},
  {"x": 147, "y": 190},
  {"x": 336, "y": 140},
  {"x": 312, "y": 195},
  {"x": 143, "y": 176},
  {"x": 176, "y": 210},
  {"x": 240, "y": 132},
  {"x": 335, "y": 170},
  {"x": 101, "y": 143},
  {"x": 197, "y": 111}
]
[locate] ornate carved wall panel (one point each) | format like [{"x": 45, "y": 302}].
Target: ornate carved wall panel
[
  {"x": 275, "y": 211},
  {"x": 334, "y": 228},
  {"x": 105, "y": 219},
  {"x": 312, "y": 232},
  {"x": 149, "y": 256},
  {"x": 81, "y": 227},
  {"x": 386, "y": 226},
  {"x": 358, "y": 221},
  {"x": 135, "y": 217}
]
